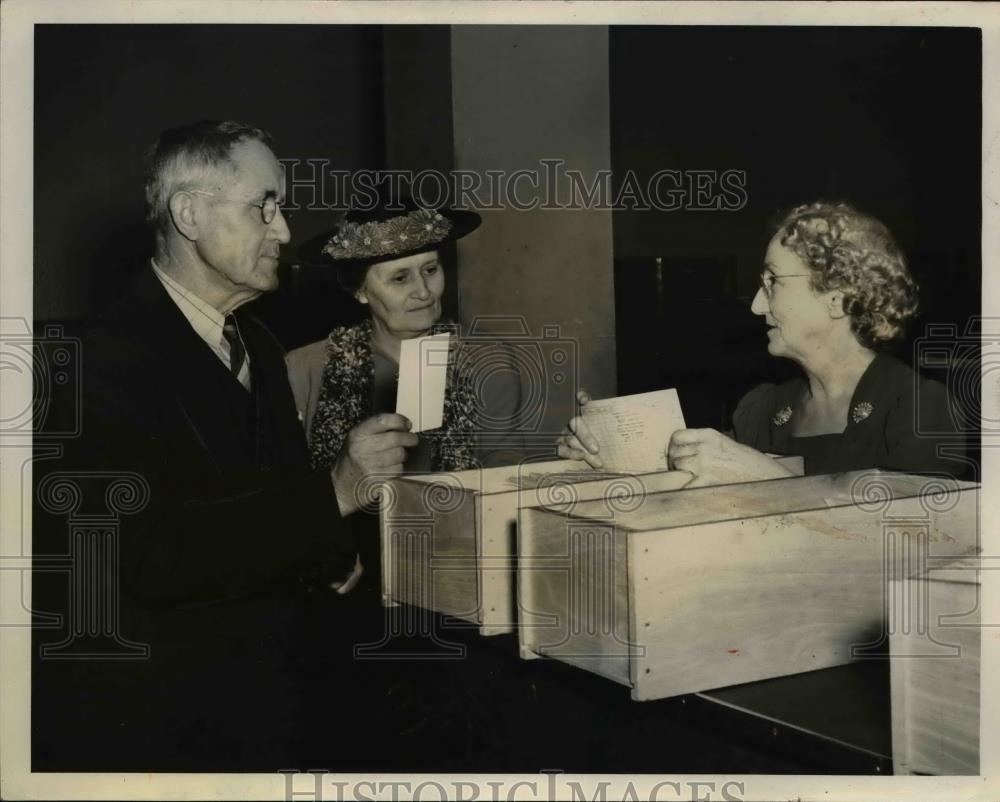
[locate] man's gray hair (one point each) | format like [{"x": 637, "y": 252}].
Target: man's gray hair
[{"x": 189, "y": 157}]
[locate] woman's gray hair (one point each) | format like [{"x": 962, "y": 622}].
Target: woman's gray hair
[
  {"x": 850, "y": 251},
  {"x": 190, "y": 156}
]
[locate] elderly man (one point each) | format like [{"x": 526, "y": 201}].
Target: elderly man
[{"x": 231, "y": 566}]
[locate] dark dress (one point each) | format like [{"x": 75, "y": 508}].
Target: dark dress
[{"x": 899, "y": 420}]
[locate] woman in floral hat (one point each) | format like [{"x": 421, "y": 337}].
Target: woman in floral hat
[{"x": 387, "y": 258}]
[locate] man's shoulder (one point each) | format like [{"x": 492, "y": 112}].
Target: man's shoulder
[
  {"x": 116, "y": 333},
  {"x": 136, "y": 310},
  {"x": 130, "y": 321}
]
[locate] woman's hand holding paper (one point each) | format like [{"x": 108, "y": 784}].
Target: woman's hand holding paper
[
  {"x": 577, "y": 442},
  {"x": 713, "y": 458}
]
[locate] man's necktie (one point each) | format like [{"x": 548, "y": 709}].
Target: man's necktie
[{"x": 237, "y": 353}]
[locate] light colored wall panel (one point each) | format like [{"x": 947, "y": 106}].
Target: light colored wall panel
[{"x": 520, "y": 95}]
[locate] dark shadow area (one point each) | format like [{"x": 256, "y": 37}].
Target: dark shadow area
[{"x": 104, "y": 93}]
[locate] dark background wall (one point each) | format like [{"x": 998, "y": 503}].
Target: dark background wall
[
  {"x": 419, "y": 125},
  {"x": 888, "y": 118},
  {"x": 105, "y": 92}
]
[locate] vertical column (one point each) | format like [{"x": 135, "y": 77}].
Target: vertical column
[{"x": 536, "y": 99}]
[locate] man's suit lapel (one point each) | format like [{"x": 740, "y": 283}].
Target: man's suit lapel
[
  {"x": 188, "y": 367},
  {"x": 272, "y": 397}
]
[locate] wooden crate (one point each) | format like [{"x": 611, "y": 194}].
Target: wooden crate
[
  {"x": 717, "y": 586},
  {"x": 449, "y": 540},
  {"x": 934, "y": 640}
]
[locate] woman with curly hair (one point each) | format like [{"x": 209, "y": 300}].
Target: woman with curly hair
[{"x": 834, "y": 292}]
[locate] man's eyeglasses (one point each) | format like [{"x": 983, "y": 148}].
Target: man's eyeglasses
[
  {"x": 767, "y": 280},
  {"x": 268, "y": 207}
]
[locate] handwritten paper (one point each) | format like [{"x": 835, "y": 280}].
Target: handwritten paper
[
  {"x": 423, "y": 374},
  {"x": 633, "y": 431}
]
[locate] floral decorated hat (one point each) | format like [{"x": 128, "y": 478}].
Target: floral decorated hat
[{"x": 392, "y": 232}]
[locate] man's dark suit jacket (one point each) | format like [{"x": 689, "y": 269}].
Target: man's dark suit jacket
[{"x": 219, "y": 572}]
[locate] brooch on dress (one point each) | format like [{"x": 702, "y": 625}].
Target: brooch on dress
[
  {"x": 782, "y": 416},
  {"x": 861, "y": 411}
]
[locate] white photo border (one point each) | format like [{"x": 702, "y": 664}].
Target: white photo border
[{"x": 16, "y": 170}]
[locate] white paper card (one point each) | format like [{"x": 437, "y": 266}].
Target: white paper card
[
  {"x": 633, "y": 431},
  {"x": 423, "y": 374}
]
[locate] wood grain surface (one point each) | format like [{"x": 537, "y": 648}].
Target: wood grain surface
[
  {"x": 935, "y": 670},
  {"x": 733, "y": 584}
]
